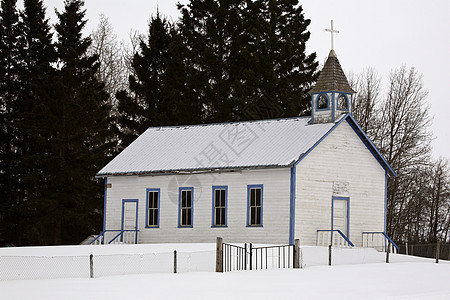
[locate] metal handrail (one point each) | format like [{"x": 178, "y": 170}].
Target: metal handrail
[
  {"x": 111, "y": 230},
  {"x": 340, "y": 232},
  {"x": 121, "y": 234},
  {"x": 385, "y": 235},
  {"x": 97, "y": 237}
]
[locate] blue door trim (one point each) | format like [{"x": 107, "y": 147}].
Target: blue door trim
[
  {"x": 348, "y": 214},
  {"x": 123, "y": 211}
]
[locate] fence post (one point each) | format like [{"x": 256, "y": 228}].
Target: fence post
[
  {"x": 406, "y": 248},
  {"x": 387, "y": 252},
  {"x": 251, "y": 253},
  {"x": 296, "y": 254},
  {"x": 91, "y": 266},
  {"x": 219, "y": 255},
  {"x": 175, "y": 261},
  {"x": 438, "y": 249},
  {"x": 329, "y": 255}
]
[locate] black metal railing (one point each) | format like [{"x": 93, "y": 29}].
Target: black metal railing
[
  {"x": 234, "y": 257},
  {"x": 274, "y": 257},
  {"x": 253, "y": 258}
]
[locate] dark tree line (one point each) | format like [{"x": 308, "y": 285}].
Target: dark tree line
[
  {"x": 56, "y": 127},
  {"x": 66, "y": 107}
]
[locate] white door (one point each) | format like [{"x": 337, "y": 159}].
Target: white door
[
  {"x": 129, "y": 221},
  {"x": 340, "y": 216}
]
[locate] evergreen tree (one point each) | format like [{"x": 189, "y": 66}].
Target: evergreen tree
[
  {"x": 247, "y": 58},
  {"x": 10, "y": 184},
  {"x": 37, "y": 54},
  {"x": 157, "y": 87},
  {"x": 79, "y": 133},
  {"x": 276, "y": 33}
]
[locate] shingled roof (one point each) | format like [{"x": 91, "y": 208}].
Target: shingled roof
[{"x": 332, "y": 78}]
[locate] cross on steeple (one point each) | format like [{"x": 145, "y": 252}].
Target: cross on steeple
[{"x": 332, "y": 31}]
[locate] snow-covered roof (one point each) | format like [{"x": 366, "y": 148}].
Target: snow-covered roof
[{"x": 251, "y": 144}]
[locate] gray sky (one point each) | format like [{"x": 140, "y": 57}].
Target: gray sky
[{"x": 383, "y": 34}]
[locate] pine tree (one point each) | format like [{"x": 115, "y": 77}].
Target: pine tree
[
  {"x": 157, "y": 90},
  {"x": 79, "y": 137},
  {"x": 277, "y": 35},
  {"x": 247, "y": 58},
  {"x": 36, "y": 55},
  {"x": 10, "y": 185}
]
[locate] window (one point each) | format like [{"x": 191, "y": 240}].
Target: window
[
  {"x": 254, "y": 210},
  {"x": 219, "y": 218},
  {"x": 185, "y": 207},
  {"x": 152, "y": 208},
  {"x": 342, "y": 102},
  {"x": 322, "y": 102}
]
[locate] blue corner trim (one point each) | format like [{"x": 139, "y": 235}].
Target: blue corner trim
[
  {"x": 385, "y": 199},
  {"x": 123, "y": 211},
  {"x": 146, "y": 208},
  {"x": 333, "y": 106},
  {"x": 104, "y": 203},
  {"x": 213, "y": 213},
  {"x": 192, "y": 206},
  {"x": 250, "y": 186},
  {"x": 292, "y": 206}
]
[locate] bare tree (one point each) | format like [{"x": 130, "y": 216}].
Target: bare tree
[
  {"x": 113, "y": 69},
  {"x": 365, "y": 101},
  {"x": 404, "y": 139},
  {"x": 398, "y": 126},
  {"x": 129, "y": 50}
]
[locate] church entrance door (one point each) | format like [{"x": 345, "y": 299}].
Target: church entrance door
[{"x": 339, "y": 213}]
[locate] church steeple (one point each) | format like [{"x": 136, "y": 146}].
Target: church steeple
[{"x": 332, "y": 95}]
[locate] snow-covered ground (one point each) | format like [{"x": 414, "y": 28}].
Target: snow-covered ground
[{"x": 355, "y": 274}]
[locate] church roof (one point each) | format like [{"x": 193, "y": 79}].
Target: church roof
[
  {"x": 239, "y": 145},
  {"x": 332, "y": 78}
]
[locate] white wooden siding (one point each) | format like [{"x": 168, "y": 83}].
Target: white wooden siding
[
  {"x": 276, "y": 193},
  {"x": 340, "y": 157}
]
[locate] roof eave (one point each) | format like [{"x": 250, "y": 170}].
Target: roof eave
[{"x": 190, "y": 171}]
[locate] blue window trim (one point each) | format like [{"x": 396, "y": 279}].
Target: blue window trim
[
  {"x": 316, "y": 104},
  {"x": 146, "y": 206},
  {"x": 348, "y": 214},
  {"x": 104, "y": 203},
  {"x": 292, "y": 205},
  {"x": 123, "y": 211},
  {"x": 192, "y": 206},
  {"x": 213, "y": 214},
  {"x": 252, "y": 186},
  {"x": 346, "y": 102}
]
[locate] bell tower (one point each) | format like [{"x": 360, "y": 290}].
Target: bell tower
[{"x": 332, "y": 96}]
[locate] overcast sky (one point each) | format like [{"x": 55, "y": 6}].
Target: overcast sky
[{"x": 383, "y": 34}]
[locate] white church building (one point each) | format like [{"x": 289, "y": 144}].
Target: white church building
[{"x": 317, "y": 178}]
